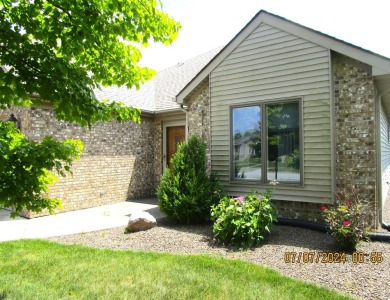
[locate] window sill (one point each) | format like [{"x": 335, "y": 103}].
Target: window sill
[{"x": 262, "y": 184}]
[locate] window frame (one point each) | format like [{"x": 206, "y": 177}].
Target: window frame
[{"x": 264, "y": 144}]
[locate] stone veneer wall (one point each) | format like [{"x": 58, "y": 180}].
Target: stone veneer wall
[
  {"x": 299, "y": 210},
  {"x": 199, "y": 117},
  {"x": 355, "y": 129},
  {"x": 158, "y": 153},
  {"x": 117, "y": 161}
]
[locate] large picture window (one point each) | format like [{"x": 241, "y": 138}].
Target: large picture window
[
  {"x": 247, "y": 142},
  {"x": 266, "y": 142}
]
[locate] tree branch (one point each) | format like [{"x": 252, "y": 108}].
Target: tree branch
[
  {"x": 22, "y": 62},
  {"x": 60, "y": 8}
]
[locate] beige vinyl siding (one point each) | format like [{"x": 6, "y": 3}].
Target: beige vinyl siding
[
  {"x": 268, "y": 65},
  {"x": 385, "y": 155}
]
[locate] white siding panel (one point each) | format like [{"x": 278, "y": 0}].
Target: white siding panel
[
  {"x": 247, "y": 52},
  {"x": 280, "y": 57},
  {"x": 265, "y": 40},
  {"x": 275, "y": 81},
  {"x": 385, "y": 156},
  {"x": 270, "y": 65},
  {"x": 264, "y": 31},
  {"x": 273, "y": 70},
  {"x": 274, "y": 92},
  {"x": 255, "y": 53}
]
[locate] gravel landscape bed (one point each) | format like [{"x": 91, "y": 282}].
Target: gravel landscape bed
[{"x": 364, "y": 280}]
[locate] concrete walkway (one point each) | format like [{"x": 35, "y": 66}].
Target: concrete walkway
[{"x": 85, "y": 220}]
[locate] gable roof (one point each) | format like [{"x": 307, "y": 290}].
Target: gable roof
[
  {"x": 379, "y": 63},
  {"x": 158, "y": 94}
]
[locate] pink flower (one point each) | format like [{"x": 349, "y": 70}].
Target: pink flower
[
  {"x": 323, "y": 207},
  {"x": 241, "y": 200},
  {"x": 349, "y": 203},
  {"x": 345, "y": 223}
]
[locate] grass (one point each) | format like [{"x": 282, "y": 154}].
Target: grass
[{"x": 37, "y": 269}]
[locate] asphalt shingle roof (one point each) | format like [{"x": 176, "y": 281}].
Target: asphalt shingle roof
[{"x": 156, "y": 95}]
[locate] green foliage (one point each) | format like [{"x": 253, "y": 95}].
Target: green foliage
[
  {"x": 26, "y": 168},
  {"x": 347, "y": 220},
  {"x": 293, "y": 160},
  {"x": 59, "y": 51},
  {"x": 186, "y": 192},
  {"x": 37, "y": 269},
  {"x": 242, "y": 221}
]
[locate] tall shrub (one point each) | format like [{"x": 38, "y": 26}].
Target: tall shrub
[{"x": 186, "y": 192}]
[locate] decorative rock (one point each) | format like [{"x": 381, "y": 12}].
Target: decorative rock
[{"x": 140, "y": 220}]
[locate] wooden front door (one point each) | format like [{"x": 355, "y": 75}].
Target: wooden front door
[{"x": 175, "y": 135}]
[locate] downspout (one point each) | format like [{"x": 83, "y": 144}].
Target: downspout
[
  {"x": 374, "y": 236},
  {"x": 210, "y": 125},
  {"x": 184, "y": 109},
  {"x": 333, "y": 124},
  {"x": 378, "y": 143}
]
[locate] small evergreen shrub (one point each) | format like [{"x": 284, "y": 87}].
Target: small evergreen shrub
[
  {"x": 243, "y": 221},
  {"x": 186, "y": 192}
]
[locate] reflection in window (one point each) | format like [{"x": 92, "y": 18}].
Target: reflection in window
[
  {"x": 247, "y": 142},
  {"x": 283, "y": 157}
]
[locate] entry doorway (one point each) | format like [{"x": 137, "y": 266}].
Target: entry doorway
[{"x": 173, "y": 134}]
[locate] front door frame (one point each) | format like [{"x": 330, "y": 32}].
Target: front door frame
[{"x": 165, "y": 126}]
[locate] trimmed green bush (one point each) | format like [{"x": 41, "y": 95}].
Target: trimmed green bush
[
  {"x": 186, "y": 192},
  {"x": 243, "y": 221}
]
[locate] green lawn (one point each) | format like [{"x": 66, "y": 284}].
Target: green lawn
[{"x": 36, "y": 269}]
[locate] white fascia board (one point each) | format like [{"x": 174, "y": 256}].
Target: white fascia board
[{"x": 170, "y": 110}]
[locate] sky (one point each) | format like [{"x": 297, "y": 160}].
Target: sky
[
  {"x": 246, "y": 118},
  {"x": 208, "y": 24}
]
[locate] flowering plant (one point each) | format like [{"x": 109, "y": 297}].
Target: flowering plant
[
  {"x": 347, "y": 220},
  {"x": 242, "y": 221}
]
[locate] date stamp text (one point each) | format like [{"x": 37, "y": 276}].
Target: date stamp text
[{"x": 332, "y": 257}]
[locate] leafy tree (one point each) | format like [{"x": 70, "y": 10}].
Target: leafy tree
[
  {"x": 60, "y": 50},
  {"x": 25, "y": 168}
]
